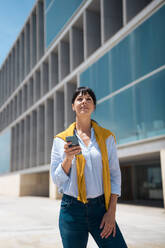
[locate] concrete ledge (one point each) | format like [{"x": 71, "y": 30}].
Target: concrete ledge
[
  {"x": 33, "y": 184},
  {"x": 10, "y": 185}
]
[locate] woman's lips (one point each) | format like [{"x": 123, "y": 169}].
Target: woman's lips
[{"x": 83, "y": 108}]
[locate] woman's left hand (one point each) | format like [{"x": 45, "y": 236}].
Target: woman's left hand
[{"x": 108, "y": 222}]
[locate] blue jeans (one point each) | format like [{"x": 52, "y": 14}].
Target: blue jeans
[{"x": 77, "y": 220}]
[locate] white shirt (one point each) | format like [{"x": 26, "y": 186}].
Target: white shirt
[{"x": 67, "y": 184}]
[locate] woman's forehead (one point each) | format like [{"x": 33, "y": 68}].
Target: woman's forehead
[{"x": 83, "y": 94}]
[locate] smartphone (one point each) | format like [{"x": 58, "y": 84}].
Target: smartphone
[{"x": 74, "y": 141}]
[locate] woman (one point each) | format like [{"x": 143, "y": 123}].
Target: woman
[{"x": 89, "y": 177}]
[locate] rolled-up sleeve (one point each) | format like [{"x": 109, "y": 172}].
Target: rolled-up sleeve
[
  {"x": 58, "y": 175},
  {"x": 114, "y": 166}
]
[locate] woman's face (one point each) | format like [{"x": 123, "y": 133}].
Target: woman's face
[{"x": 83, "y": 105}]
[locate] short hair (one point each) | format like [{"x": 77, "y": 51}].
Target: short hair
[{"x": 84, "y": 91}]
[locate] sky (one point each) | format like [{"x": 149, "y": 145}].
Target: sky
[{"x": 13, "y": 14}]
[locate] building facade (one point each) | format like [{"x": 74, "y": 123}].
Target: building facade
[{"x": 114, "y": 47}]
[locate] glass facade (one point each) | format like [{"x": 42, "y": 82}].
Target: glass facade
[
  {"x": 130, "y": 59},
  {"x": 5, "y": 140},
  {"x": 145, "y": 186},
  {"x": 149, "y": 183},
  {"x": 137, "y": 112},
  {"x": 57, "y": 13}
]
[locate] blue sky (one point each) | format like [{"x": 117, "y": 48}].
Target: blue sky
[{"x": 13, "y": 14}]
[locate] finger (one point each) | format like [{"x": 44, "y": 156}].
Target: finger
[
  {"x": 67, "y": 145},
  {"x": 104, "y": 232},
  {"x": 102, "y": 223},
  {"x": 114, "y": 231},
  {"x": 73, "y": 152},
  {"x": 108, "y": 233},
  {"x": 72, "y": 149}
]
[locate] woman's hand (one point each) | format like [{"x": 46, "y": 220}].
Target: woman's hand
[
  {"x": 71, "y": 151},
  {"x": 108, "y": 222}
]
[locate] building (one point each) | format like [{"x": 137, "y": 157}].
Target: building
[{"x": 116, "y": 48}]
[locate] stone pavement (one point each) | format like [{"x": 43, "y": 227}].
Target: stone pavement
[{"x": 32, "y": 222}]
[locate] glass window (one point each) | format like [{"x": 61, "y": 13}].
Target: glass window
[
  {"x": 150, "y": 106},
  {"x": 141, "y": 52},
  {"x": 149, "y": 182},
  {"x": 5, "y": 151},
  {"x": 136, "y": 113},
  {"x": 57, "y": 15},
  {"x": 48, "y": 3}
]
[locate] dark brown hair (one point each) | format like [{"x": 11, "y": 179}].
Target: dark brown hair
[{"x": 84, "y": 91}]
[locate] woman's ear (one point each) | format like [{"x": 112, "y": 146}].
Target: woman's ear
[{"x": 73, "y": 107}]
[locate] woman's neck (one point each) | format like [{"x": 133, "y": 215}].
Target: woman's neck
[{"x": 83, "y": 125}]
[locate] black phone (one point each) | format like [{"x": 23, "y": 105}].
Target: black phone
[{"x": 74, "y": 141}]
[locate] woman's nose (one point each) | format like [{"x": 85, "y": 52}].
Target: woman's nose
[{"x": 84, "y": 100}]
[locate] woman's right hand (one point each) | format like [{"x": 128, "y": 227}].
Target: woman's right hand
[{"x": 71, "y": 151}]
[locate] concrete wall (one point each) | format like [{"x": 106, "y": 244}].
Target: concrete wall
[{"x": 36, "y": 184}]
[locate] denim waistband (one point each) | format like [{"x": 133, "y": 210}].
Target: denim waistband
[{"x": 99, "y": 199}]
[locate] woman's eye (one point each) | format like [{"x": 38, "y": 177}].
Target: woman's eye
[{"x": 88, "y": 99}]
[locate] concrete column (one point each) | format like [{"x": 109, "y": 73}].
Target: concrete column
[
  {"x": 5, "y": 82},
  {"x": 69, "y": 114},
  {"x": 40, "y": 29},
  {"x": 19, "y": 145},
  {"x": 30, "y": 92},
  {"x": 162, "y": 162},
  {"x": 27, "y": 48},
  {"x": 64, "y": 67},
  {"x": 22, "y": 145},
  {"x": 18, "y": 62},
  {"x": 111, "y": 18},
  {"x": 7, "y": 78},
  {"x": 21, "y": 100},
  {"x": 13, "y": 69},
  {"x": 33, "y": 40},
  {"x": 49, "y": 128},
  {"x": 22, "y": 57},
  {"x": 17, "y": 148},
  {"x": 33, "y": 139},
  {"x": 58, "y": 112},
  {"x": 16, "y": 109},
  {"x": 37, "y": 86},
  {"x": 11, "y": 111},
  {"x": 16, "y": 66},
  {"x": 92, "y": 32},
  {"x": 40, "y": 135},
  {"x": 27, "y": 142},
  {"x": 24, "y": 98},
  {"x": 53, "y": 70},
  {"x": 7, "y": 114},
  {"x": 19, "y": 103},
  {"x": 10, "y": 75},
  {"x": 44, "y": 78},
  {"x": 14, "y": 150},
  {"x": 76, "y": 47}
]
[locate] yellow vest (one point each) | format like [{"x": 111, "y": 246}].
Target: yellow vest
[{"x": 101, "y": 135}]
